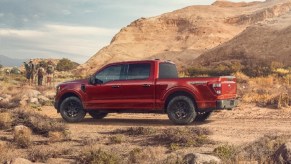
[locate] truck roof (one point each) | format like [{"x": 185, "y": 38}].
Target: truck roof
[{"x": 139, "y": 61}]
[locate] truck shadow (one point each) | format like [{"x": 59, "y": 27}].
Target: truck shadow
[{"x": 135, "y": 122}]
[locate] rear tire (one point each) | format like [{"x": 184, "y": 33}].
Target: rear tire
[
  {"x": 97, "y": 114},
  {"x": 71, "y": 109},
  {"x": 202, "y": 116},
  {"x": 181, "y": 110}
]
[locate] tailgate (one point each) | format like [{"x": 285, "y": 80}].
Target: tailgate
[
  {"x": 228, "y": 85},
  {"x": 225, "y": 87}
]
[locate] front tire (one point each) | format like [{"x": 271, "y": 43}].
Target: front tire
[
  {"x": 181, "y": 110},
  {"x": 202, "y": 116},
  {"x": 97, "y": 114},
  {"x": 71, "y": 109}
]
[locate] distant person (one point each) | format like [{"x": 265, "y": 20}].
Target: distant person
[
  {"x": 29, "y": 69},
  {"x": 49, "y": 73},
  {"x": 7, "y": 71},
  {"x": 40, "y": 74}
]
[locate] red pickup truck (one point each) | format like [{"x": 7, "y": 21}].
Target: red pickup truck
[{"x": 150, "y": 86}]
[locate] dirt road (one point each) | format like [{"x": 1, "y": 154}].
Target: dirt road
[{"x": 239, "y": 126}]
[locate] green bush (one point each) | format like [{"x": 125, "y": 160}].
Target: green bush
[{"x": 66, "y": 65}]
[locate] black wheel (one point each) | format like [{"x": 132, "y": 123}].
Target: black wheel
[
  {"x": 97, "y": 114},
  {"x": 181, "y": 110},
  {"x": 71, "y": 109},
  {"x": 202, "y": 116}
]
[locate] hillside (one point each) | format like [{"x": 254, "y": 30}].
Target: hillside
[
  {"x": 267, "y": 41},
  {"x": 10, "y": 62},
  {"x": 185, "y": 34}
]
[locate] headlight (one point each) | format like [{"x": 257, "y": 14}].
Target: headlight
[{"x": 58, "y": 88}]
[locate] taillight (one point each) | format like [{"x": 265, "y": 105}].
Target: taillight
[{"x": 217, "y": 88}]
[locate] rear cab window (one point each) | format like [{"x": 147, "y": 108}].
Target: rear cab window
[{"x": 167, "y": 70}]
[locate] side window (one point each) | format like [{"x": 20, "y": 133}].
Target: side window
[
  {"x": 110, "y": 73},
  {"x": 139, "y": 71}
]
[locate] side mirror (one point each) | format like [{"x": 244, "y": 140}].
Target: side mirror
[{"x": 93, "y": 80}]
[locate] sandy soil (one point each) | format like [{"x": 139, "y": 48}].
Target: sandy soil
[{"x": 239, "y": 126}]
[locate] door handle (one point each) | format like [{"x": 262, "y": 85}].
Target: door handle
[
  {"x": 146, "y": 85},
  {"x": 115, "y": 86}
]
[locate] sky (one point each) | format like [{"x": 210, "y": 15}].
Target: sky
[{"x": 73, "y": 29}]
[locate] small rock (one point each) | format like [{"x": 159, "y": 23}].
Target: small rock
[
  {"x": 283, "y": 154},
  {"x": 197, "y": 158},
  {"x": 34, "y": 101},
  {"x": 32, "y": 93},
  {"x": 20, "y": 161},
  {"x": 1, "y": 98},
  {"x": 43, "y": 100}
]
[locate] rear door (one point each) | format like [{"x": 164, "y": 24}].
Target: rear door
[{"x": 138, "y": 88}]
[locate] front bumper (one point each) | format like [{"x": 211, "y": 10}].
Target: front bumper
[
  {"x": 56, "y": 105},
  {"x": 226, "y": 104}
]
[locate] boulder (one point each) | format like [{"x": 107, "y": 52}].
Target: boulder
[
  {"x": 283, "y": 154},
  {"x": 20, "y": 161},
  {"x": 197, "y": 158}
]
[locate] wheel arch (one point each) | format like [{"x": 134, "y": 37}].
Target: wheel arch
[
  {"x": 179, "y": 93},
  {"x": 66, "y": 95}
]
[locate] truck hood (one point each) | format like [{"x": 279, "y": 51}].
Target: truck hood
[{"x": 79, "y": 81}]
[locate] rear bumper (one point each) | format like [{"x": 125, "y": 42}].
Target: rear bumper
[{"x": 226, "y": 104}]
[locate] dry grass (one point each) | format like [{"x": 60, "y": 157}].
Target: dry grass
[
  {"x": 271, "y": 91},
  {"x": 116, "y": 139},
  {"x": 43, "y": 153},
  {"x": 260, "y": 150},
  {"x": 7, "y": 152},
  {"x": 22, "y": 136},
  {"x": 180, "y": 137},
  {"x": 144, "y": 155},
  {"x": 5, "y": 120},
  {"x": 97, "y": 155},
  {"x": 38, "y": 123},
  {"x": 135, "y": 131}
]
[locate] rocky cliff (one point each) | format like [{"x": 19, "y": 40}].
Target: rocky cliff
[{"x": 185, "y": 34}]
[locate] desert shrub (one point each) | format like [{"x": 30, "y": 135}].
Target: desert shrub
[
  {"x": 5, "y": 120},
  {"x": 93, "y": 155},
  {"x": 66, "y": 65},
  {"x": 6, "y": 152},
  {"x": 57, "y": 136},
  {"x": 144, "y": 155},
  {"x": 116, "y": 139},
  {"x": 184, "y": 136},
  {"x": 223, "y": 69},
  {"x": 15, "y": 70},
  {"x": 136, "y": 131},
  {"x": 226, "y": 152},
  {"x": 11, "y": 103},
  {"x": 38, "y": 123},
  {"x": 22, "y": 136},
  {"x": 43, "y": 153},
  {"x": 173, "y": 159},
  {"x": 257, "y": 67}
]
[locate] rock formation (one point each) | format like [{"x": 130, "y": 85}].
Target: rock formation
[{"x": 185, "y": 34}]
